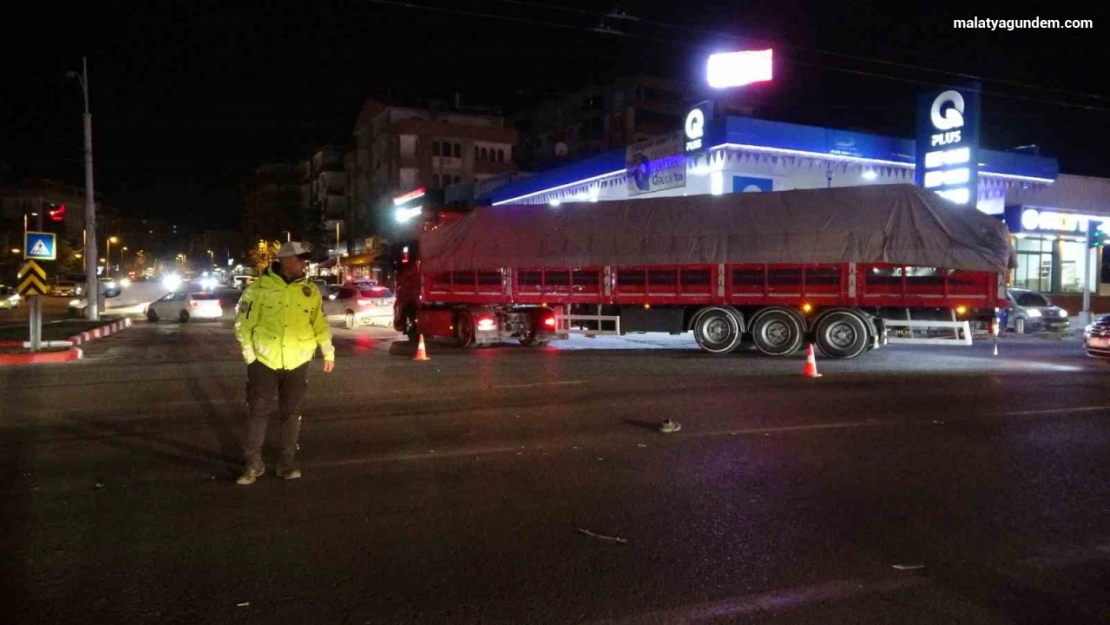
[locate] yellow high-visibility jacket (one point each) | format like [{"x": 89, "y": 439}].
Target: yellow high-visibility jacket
[{"x": 281, "y": 323}]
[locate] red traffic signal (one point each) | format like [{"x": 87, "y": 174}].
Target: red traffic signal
[{"x": 57, "y": 214}]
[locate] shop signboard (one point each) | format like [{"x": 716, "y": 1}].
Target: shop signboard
[
  {"x": 695, "y": 126},
  {"x": 947, "y": 150},
  {"x": 1024, "y": 219},
  {"x": 656, "y": 164}
]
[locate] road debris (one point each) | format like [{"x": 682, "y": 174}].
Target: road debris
[
  {"x": 909, "y": 567},
  {"x": 608, "y": 539}
]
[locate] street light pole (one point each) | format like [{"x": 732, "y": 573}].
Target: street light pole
[{"x": 92, "y": 311}]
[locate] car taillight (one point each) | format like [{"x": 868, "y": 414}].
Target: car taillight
[
  {"x": 549, "y": 322},
  {"x": 486, "y": 324},
  {"x": 364, "y": 302}
]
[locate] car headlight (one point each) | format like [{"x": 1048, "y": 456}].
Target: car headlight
[
  {"x": 125, "y": 283},
  {"x": 1063, "y": 313},
  {"x": 111, "y": 284},
  {"x": 1033, "y": 312},
  {"x": 74, "y": 303}
]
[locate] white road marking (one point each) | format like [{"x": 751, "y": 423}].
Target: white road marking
[
  {"x": 768, "y": 602},
  {"x": 1048, "y": 411}
]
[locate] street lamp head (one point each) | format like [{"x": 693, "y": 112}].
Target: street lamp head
[{"x": 114, "y": 239}]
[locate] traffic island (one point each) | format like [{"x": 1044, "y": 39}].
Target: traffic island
[{"x": 60, "y": 341}]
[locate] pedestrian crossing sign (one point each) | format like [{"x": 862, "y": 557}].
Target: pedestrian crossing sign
[{"x": 39, "y": 246}]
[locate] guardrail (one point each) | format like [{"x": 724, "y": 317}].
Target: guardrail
[
  {"x": 961, "y": 334},
  {"x": 563, "y": 324}
]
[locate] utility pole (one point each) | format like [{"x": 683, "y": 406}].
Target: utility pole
[{"x": 92, "y": 290}]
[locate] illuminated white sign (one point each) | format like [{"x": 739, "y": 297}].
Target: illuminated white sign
[
  {"x": 736, "y": 69},
  {"x": 695, "y": 129},
  {"x": 403, "y": 215},
  {"x": 950, "y": 118},
  {"x": 1033, "y": 219}
]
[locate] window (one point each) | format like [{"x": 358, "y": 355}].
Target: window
[
  {"x": 475, "y": 152},
  {"x": 501, "y": 156},
  {"x": 1032, "y": 299},
  {"x": 435, "y": 148},
  {"x": 485, "y": 154},
  {"x": 435, "y": 181},
  {"x": 346, "y": 293},
  {"x": 458, "y": 150},
  {"x": 457, "y": 179}
]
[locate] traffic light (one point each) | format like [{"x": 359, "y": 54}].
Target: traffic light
[
  {"x": 57, "y": 212},
  {"x": 1096, "y": 236}
]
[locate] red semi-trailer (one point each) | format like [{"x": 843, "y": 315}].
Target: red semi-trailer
[{"x": 835, "y": 267}]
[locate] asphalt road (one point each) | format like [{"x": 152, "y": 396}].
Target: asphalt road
[{"x": 913, "y": 485}]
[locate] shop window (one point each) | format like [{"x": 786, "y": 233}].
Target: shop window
[
  {"x": 458, "y": 150},
  {"x": 435, "y": 181},
  {"x": 501, "y": 156},
  {"x": 485, "y": 154},
  {"x": 457, "y": 179},
  {"x": 475, "y": 152},
  {"x": 435, "y": 148}
]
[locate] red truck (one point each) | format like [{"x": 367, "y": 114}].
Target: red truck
[{"x": 835, "y": 267}]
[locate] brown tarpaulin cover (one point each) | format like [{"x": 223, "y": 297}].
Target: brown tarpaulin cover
[{"x": 901, "y": 224}]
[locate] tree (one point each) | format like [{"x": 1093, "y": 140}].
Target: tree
[{"x": 263, "y": 254}]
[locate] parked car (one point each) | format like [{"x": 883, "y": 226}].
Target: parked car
[
  {"x": 66, "y": 288},
  {"x": 185, "y": 306},
  {"x": 1031, "y": 311},
  {"x": 10, "y": 297},
  {"x": 1097, "y": 337},
  {"x": 360, "y": 306}
]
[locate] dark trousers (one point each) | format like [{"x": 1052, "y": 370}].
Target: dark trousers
[{"x": 263, "y": 384}]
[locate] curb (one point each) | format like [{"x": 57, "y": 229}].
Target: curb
[
  {"x": 101, "y": 332},
  {"x": 69, "y": 355}
]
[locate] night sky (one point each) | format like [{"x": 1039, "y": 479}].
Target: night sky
[{"x": 189, "y": 97}]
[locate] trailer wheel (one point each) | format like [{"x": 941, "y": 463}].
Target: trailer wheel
[
  {"x": 464, "y": 330},
  {"x": 411, "y": 330},
  {"x": 718, "y": 330},
  {"x": 776, "y": 332},
  {"x": 841, "y": 334}
]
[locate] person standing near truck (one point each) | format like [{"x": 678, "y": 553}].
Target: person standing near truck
[{"x": 279, "y": 324}]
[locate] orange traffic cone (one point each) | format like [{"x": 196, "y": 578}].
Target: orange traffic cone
[
  {"x": 421, "y": 351},
  {"x": 810, "y": 370}
]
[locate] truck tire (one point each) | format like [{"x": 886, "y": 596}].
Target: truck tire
[
  {"x": 841, "y": 334},
  {"x": 464, "y": 330},
  {"x": 718, "y": 330},
  {"x": 777, "y": 332},
  {"x": 411, "y": 330}
]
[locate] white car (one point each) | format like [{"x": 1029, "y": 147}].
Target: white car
[
  {"x": 185, "y": 306},
  {"x": 356, "y": 306},
  {"x": 66, "y": 289},
  {"x": 9, "y": 297}
]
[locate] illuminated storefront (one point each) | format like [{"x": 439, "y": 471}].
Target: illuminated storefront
[{"x": 1051, "y": 247}]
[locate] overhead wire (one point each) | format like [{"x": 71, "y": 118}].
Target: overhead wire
[{"x": 844, "y": 55}]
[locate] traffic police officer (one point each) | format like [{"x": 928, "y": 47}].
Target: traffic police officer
[{"x": 279, "y": 324}]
